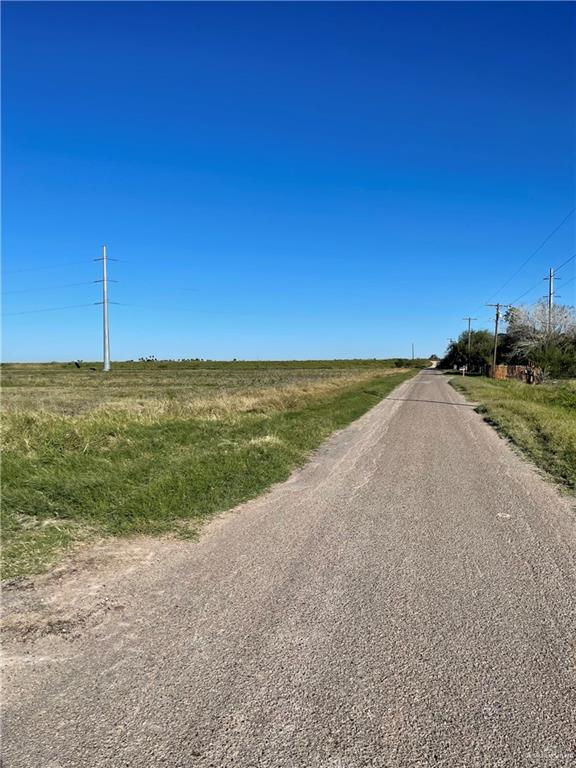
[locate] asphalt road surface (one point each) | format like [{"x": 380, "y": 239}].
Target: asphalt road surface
[{"x": 407, "y": 599}]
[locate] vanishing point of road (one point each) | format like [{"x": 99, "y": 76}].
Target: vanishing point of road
[{"x": 407, "y": 599}]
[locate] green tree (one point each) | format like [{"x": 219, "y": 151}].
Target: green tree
[{"x": 481, "y": 345}]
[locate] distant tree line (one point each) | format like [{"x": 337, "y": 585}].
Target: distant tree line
[{"x": 533, "y": 336}]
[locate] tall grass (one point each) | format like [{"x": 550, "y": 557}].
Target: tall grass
[
  {"x": 540, "y": 420},
  {"x": 151, "y": 450}
]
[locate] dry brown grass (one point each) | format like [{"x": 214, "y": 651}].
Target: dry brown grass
[
  {"x": 43, "y": 407},
  {"x": 149, "y": 449}
]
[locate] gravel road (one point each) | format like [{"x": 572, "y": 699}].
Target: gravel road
[{"x": 407, "y": 599}]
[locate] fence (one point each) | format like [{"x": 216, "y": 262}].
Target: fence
[{"x": 529, "y": 374}]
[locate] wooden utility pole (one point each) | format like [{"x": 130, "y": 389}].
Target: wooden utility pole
[
  {"x": 496, "y": 322},
  {"x": 469, "y": 331}
]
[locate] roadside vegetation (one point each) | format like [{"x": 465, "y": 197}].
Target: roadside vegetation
[
  {"x": 533, "y": 337},
  {"x": 156, "y": 447},
  {"x": 540, "y": 420}
]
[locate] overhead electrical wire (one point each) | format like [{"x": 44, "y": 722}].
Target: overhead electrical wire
[
  {"x": 542, "y": 244},
  {"x": 53, "y": 266},
  {"x": 536, "y": 285},
  {"x": 49, "y": 287},
  {"x": 49, "y": 309},
  {"x": 44, "y": 267},
  {"x": 156, "y": 306},
  {"x": 539, "y": 283},
  {"x": 557, "y": 269}
]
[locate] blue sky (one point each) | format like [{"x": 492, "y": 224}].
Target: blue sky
[{"x": 280, "y": 180}]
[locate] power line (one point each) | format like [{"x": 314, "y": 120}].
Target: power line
[
  {"x": 48, "y": 309},
  {"x": 99, "y": 303},
  {"x": 537, "y": 285},
  {"x": 47, "y": 266},
  {"x": 542, "y": 244},
  {"x": 156, "y": 306},
  {"x": 51, "y": 266},
  {"x": 49, "y": 287},
  {"x": 565, "y": 262}
]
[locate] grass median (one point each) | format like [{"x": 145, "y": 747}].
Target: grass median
[
  {"x": 152, "y": 450},
  {"x": 540, "y": 420}
]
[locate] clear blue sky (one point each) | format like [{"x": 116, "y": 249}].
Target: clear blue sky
[{"x": 280, "y": 180}]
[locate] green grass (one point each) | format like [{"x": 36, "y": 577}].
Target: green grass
[
  {"x": 151, "y": 449},
  {"x": 540, "y": 420}
]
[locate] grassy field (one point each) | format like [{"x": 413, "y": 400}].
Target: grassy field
[
  {"x": 156, "y": 447},
  {"x": 540, "y": 420}
]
